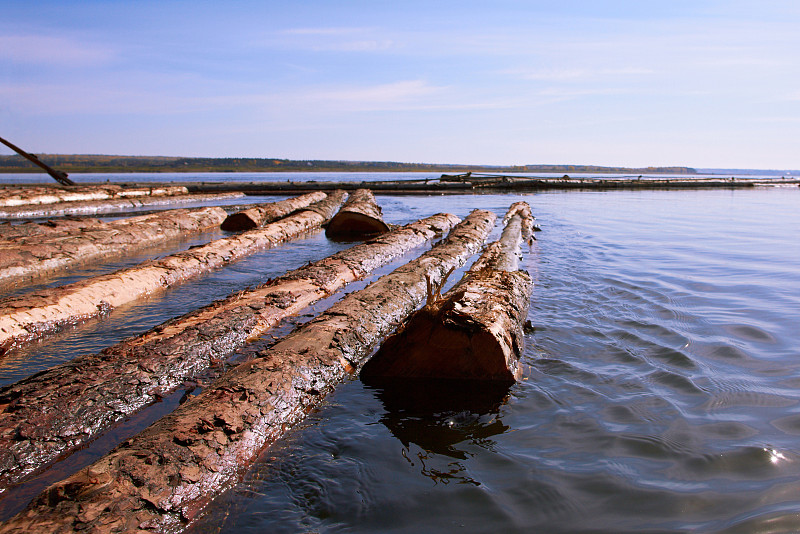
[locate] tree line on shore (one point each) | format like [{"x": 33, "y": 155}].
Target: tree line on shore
[{"x": 117, "y": 164}]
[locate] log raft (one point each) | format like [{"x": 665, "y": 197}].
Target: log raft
[
  {"x": 475, "y": 331},
  {"x": 34, "y": 315},
  {"x": 23, "y": 258},
  {"x": 262, "y": 214},
  {"x": 38, "y": 195},
  {"x": 162, "y": 478},
  {"x": 114, "y": 205},
  {"x": 50, "y": 413},
  {"x": 359, "y": 217}
]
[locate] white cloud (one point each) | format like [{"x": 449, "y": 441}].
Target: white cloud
[{"x": 49, "y": 50}]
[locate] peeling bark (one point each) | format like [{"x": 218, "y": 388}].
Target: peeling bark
[
  {"x": 359, "y": 217},
  {"x": 114, "y": 205},
  {"x": 20, "y": 196},
  {"x": 53, "y": 412},
  {"x": 266, "y": 213},
  {"x": 31, "y": 251},
  {"x": 162, "y": 478},
  {"x": 475, "y": 332},
  {"x": 36, "y": 314}
]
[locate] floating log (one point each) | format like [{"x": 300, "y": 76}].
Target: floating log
[
  {"x": 359, "y": 217},
  {"x": 266, "y": 213},
  {"x": 50, "y": 413},
  {"x": 34, "y": 315},
  {"x": 23, "y": 258},
  {"x": 475, "y": 331},
  {"x": 21, "y": 196},
  {"x": 114, "y": 205},
  {"x": 163, "y": 477}
]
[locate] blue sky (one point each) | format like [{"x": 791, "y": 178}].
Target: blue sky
[{"x": 699, "y": 83}]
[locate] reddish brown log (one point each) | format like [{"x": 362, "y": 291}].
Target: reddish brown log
[
  {"x": 359, "y": 217},
  {"x": 20, "y": 196},
  {"x": 162, "y": 478},
  {"x": 23, "y": 258},
  {"x": 53, "y": 412},
  {"x": 113, "y": 205},
  {"x": 475, "y": 331},
  {"x": 266, "y": 213},
  {"x": 36, "y": 314}
]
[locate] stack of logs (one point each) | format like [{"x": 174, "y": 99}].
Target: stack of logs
[{"x": 163, "y": 477}]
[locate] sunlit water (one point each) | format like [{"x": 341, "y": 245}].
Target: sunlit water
[{"x": 660, "y": 391}]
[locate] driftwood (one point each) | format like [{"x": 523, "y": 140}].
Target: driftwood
[
  {"x": 475, "y": 331},
  {"x": 27, "y": 257},
  {"x": 52, "y": 412},
  {"x": 36, "y": 314},
  {"x": 163, "y": 477},
  {"x": 266, "y": 213},
  {"x": 360, "y": 216},
  {"x": 58, "y": 176},
  {"x": 114, "y": 205},
  {"x": 21, "y": 196}
]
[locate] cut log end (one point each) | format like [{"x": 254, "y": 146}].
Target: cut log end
[
  {"x": 238, "y": 222},
  {"x": 448, "y": 340},
  {"x": 352, "y": 225}
]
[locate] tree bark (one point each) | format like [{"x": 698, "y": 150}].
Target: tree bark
[
  {"x": 359, "y": 217},
  {"x": 161, "y": 479},
  {"x": 53, "y": 412},
  {"x": 20, "y": 196},
  {"x": 26, "y": 257},
  {"x": 113, "y": 205},
  {"x": 476, "y": 331},
  {"x": 266, "y": 213},
  {"x": 34, "y": 315}
]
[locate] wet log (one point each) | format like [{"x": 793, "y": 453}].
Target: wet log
[
  {"x": 266, "y": 213},
  {"x": 114, "y": 205},
  {"x": 475, "y": 332},
  {"x": 53, "y": 412},
  {"x": 34, "y": 315},
  {"x": 163, "y": 477},
  {"x": 26, "y": 257},
  {"x": 359, "y": 217},
  {"x": 21, "y": 196}
]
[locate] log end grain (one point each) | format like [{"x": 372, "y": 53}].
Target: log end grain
[
  {"x": 464, "y": 336},
  {"x": 351, "y": 225},
  {"x": 236, "y": 222}
]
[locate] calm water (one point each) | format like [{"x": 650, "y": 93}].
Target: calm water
[{"x": 660, "y": 393}]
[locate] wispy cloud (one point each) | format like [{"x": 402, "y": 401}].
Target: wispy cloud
[
  {"x": 59, "y": 51},
  {"x": 336, "y": 39}
]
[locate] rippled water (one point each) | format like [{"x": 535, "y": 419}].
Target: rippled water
[{"x": 660, "y": 391}]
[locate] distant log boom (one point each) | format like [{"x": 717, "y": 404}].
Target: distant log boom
[
  {"x": 162, "y": 478},
  {"x": 359, "y": 217},
  {"x": 34, "y": 315},
  {"x": 53, "y": 412},
  {"x": 23, "y": 258},
  {"x": 475, "y": 331},
  {"x": 266, "y": 213}
]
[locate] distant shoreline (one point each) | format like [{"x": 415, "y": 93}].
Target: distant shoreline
[{"x": 130, "y": 164}]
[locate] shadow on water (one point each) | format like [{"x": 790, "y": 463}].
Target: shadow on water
[{"x": 438, "y": 415}]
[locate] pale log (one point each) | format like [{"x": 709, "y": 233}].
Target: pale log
[
  {"x": 266, "y": 213},
  {"x": 26, "y": 257},
  {"x": 162, "y": 478},
  {"x": 53, "y": 412},
  {"x": 20, "y": 196},
  {"x": 36, "y": 314},
  {"x": 113, "y": 205},
  {"x": 475, "y": 331},
  {"x": 360, "y": 216}
]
